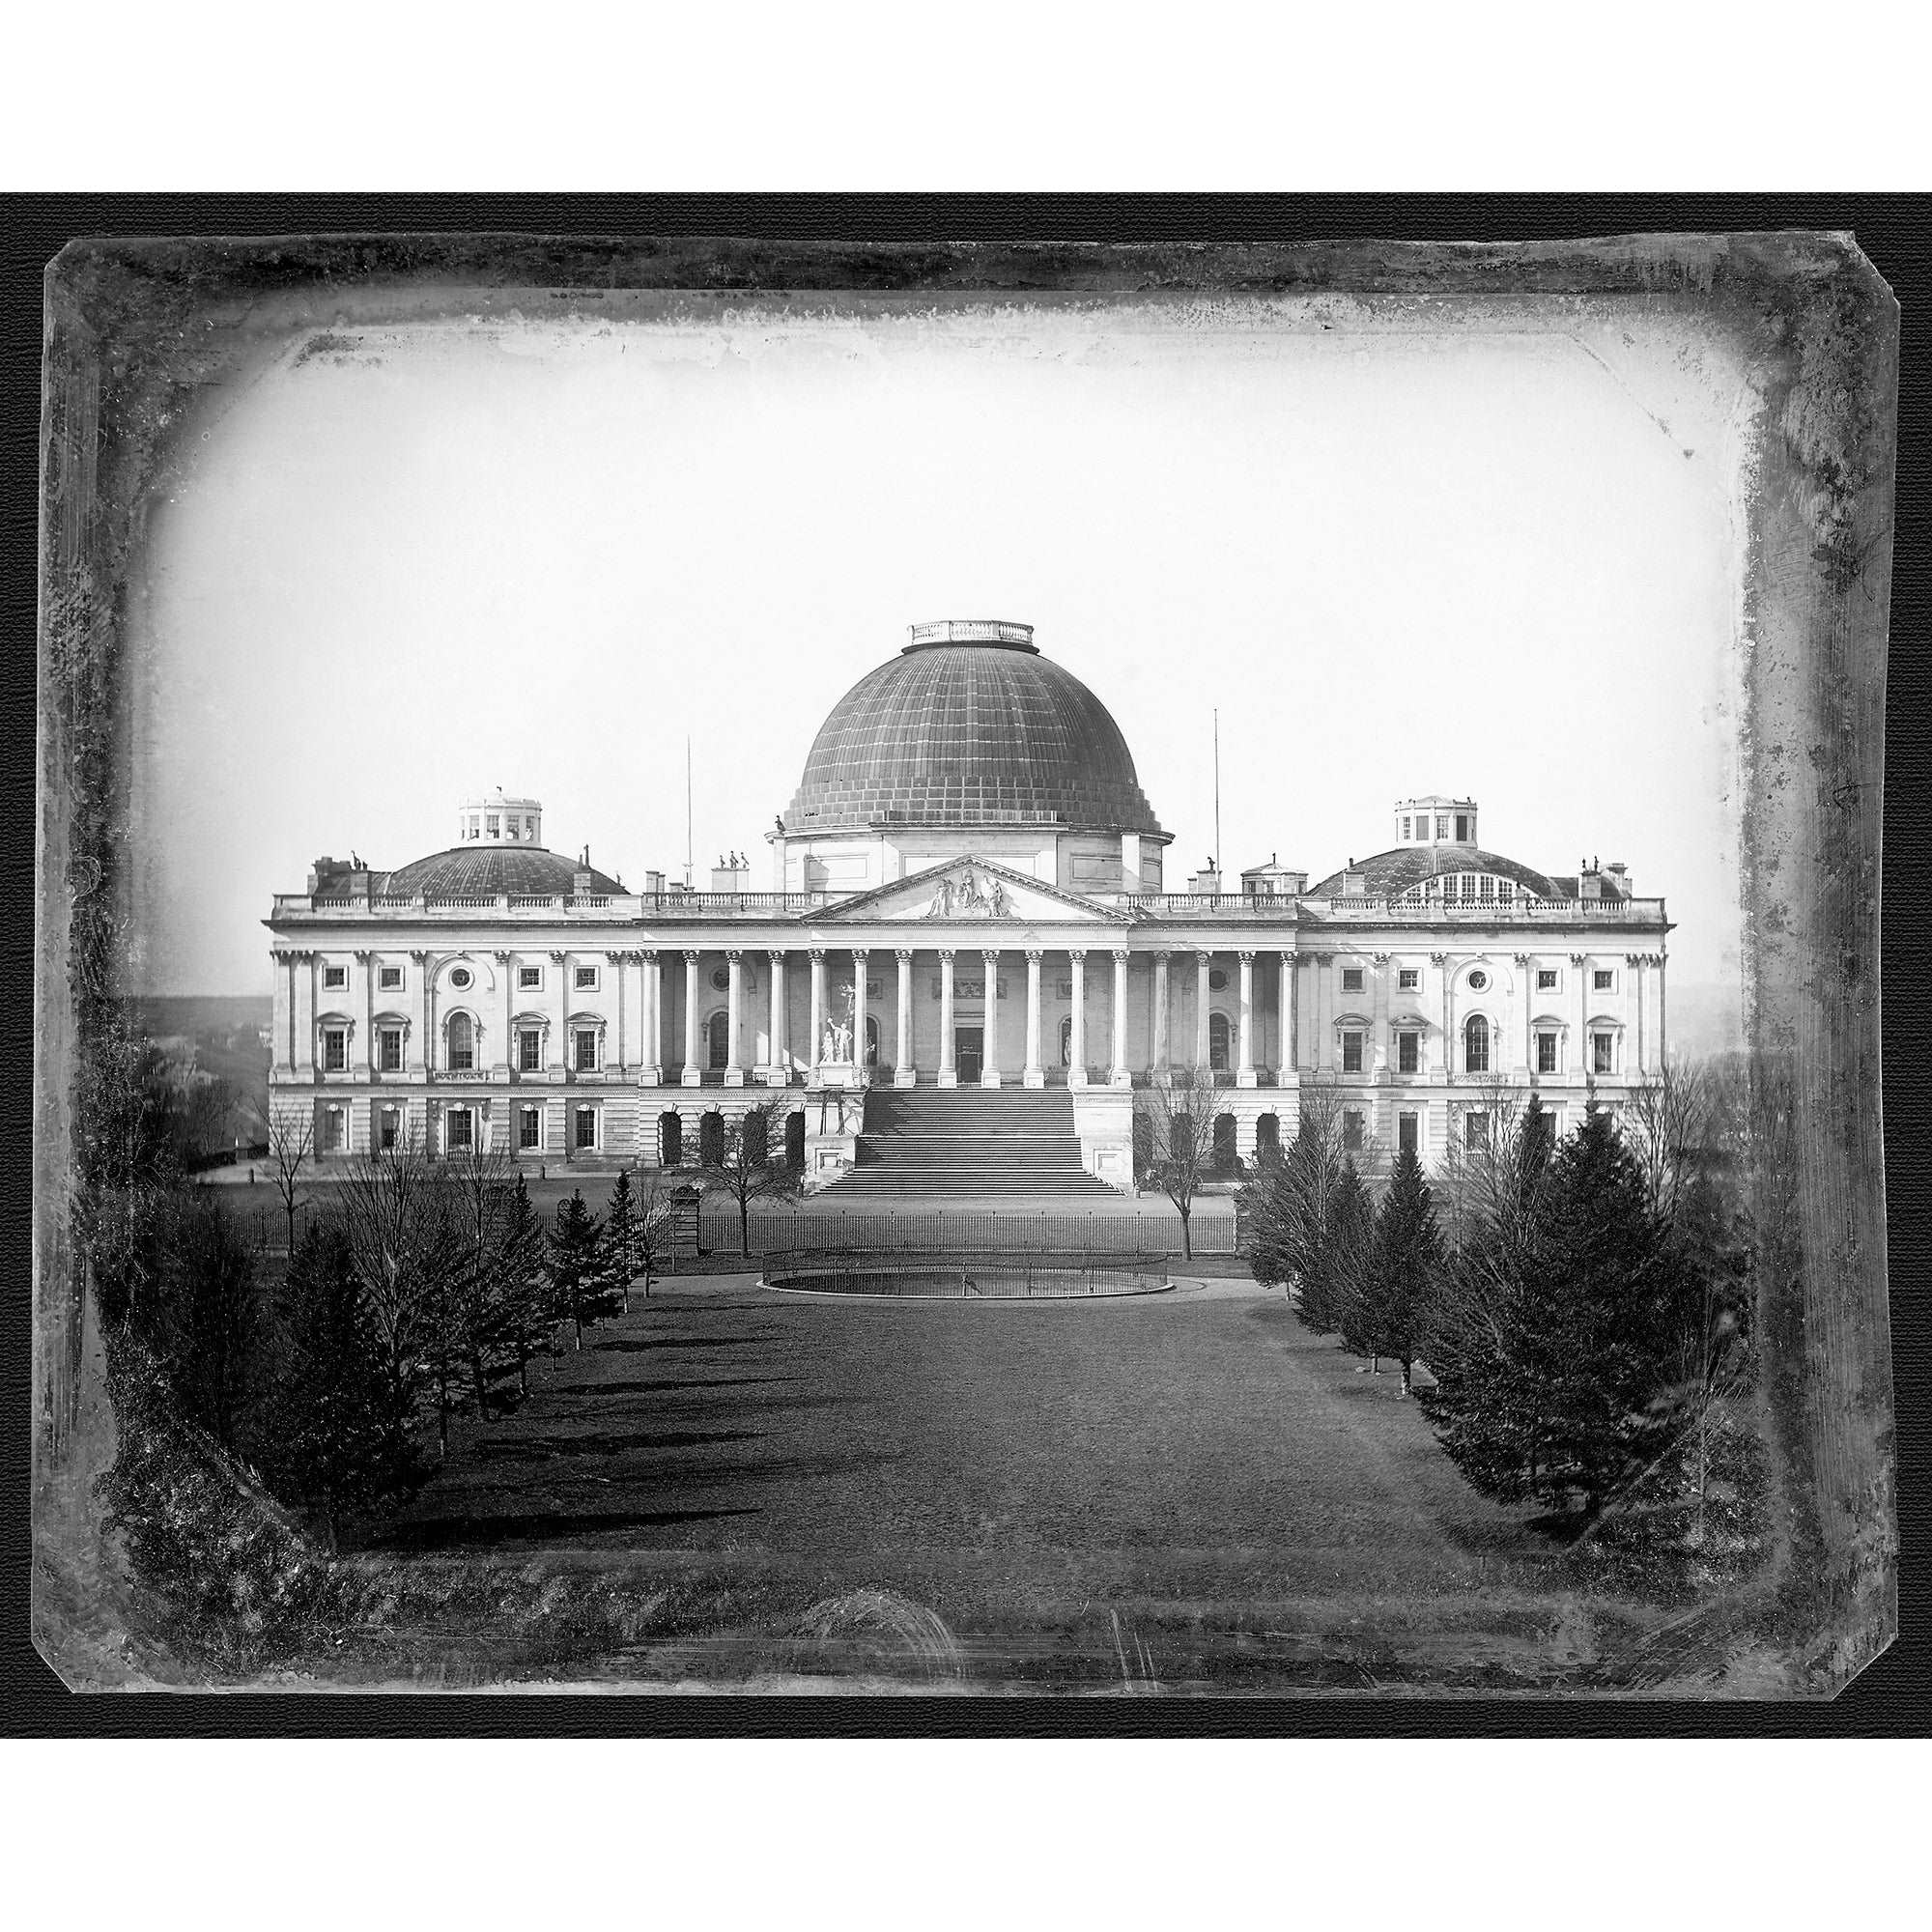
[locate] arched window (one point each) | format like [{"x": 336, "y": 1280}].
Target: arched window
[
  {"x": 1226, "y": 1161},
  {"x": 1217, "y": 1041},
  {"x": 1477, "y": 1044},
  {"x": 1267, "y": 1134},
  {"x": 795, "y": 1142},
  {"x": 711, "y": 1139},
  {"x": 670, "y": 1140},
  {"x": 1066, "y": 1042},
  {"x": 757, "y": 1140},
  {"x": 719, "y": 1032},
  {"x": 872, "y": 1041},
  {"x": 461, "y": 1043}
]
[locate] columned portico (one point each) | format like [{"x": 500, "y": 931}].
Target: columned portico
[
  {"x": 1076, "y": 1052},
  {"x": 1286, "y": 1055},
  {"x": 859, "y": 1058},
  {"x": 989, "y": 1073},
  {"x": 1034, "y": 1074},
  {"x": 652, "y": 1020},
  {"x": 735, "y": 1059},
  {"x": 1163, "y": 1050},
  {"x": 949, "y": 1074},
  {"x": 905, "y": 1068},
  {"x": 1118, "y": 1074},
  {"x": 691, "y": 1076}
]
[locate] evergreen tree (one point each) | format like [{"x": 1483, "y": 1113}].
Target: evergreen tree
[
  {"x": 620, "y": 1237},
  {"x": 1405, "y": 1265},
  {"x": 324, "y": 1442},
  {"x": 523, "y": 1283},
  {"x": 1289, "y": 1207},
  {"x": 1346, "y": 1257},
  {"x": 575, "y": 1264},
  {"x": 204, "y": 1321}
]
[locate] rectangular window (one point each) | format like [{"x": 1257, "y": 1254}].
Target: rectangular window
[
  {"x": 528, "y": 1136},
  {"x": 1352, "y": 979},
  {"x": 1405, "y": 828},
  {"x": 1476, "y": 1130},
  {"x": 1352, "y": 1132},
  {"x": 1351, "y": 1053},
  {"x": 389, "y": 978},
  {"x": 529, "y": 978},
  {"x": 334, "y": 1049},
  {"x": 1461, "y": 828},
  {"x": 1545, "y": 978},
  {"x": 390, "y": 1049},
  {"x": 1408, "y": 1134},
  {"x": 1601, "y": 1048},
  {"x": 1601, "y": 980},
  {"x": 529, "y": 1051},
  {"x": 493, "y": 824},
  {"x": 1442, "y": 825},
  {"x": 1407, "y": 1052},
  {"x": 333, "y": 1130},
  {"x": 586, "y": 980},
  {"x": 336, "y": 976},
  {"x": 587, "y": 1127},
  {"x": 1545, "y": 1053},
  {"x": 1407, "y": 978},
  {"x": 587, "y": 1050},
  {"x": 388, "y": 1129},
  {"x": 461, "y": 1130}
]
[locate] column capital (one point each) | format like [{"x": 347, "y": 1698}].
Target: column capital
[
  {"x": 1290, "y": 957},
  {"x": 1202, "y": 957},
  {"x": 990, "y": 954},
  {"x": 777, "y": 954},
  {"x": 733, "y": 955},
  {"x": 1078, "y": 954},
  {"x": 1248, "y": 958},
  {"x": 1382, "y": 960},
  {"x": 420, "y": 958},
  {"x": 1121, "y": 953},
  {"x": 1579, "y": 958},
  {"x": 1035, "y": 955},
  {"x": 1521, "y": 958},
  {"x": 691, "y": 955},
  {"x": 860, "y": 952},
  {"x": 817, "y": 954},
  {"x": 1434, "y": 958},
  {"x": 1630, "y": 959},
  {"x": 1328, "y": 958},
  {"x": 946, "y": 955},
  {"x": 649, "y": 955},
  {"x": 903, "y": 954},
  {"x": 362, "y": 955},
  {"x": 1163, "y": 953},
  {"x": 558, "y": 956}
]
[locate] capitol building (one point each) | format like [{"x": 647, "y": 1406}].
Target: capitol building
[{"x": 968, "y": 890}]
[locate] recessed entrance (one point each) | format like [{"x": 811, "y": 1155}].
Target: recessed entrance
[{"x": 969, "y": 1052}]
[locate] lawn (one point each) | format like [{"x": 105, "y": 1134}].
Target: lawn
[{"x": 1174, "y": 1488}]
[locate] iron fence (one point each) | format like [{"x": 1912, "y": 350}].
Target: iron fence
[
  {"x": 963, "y": 1230},
  {"x": 930, "y": 1278}
]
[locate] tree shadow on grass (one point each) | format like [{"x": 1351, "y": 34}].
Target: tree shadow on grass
[
  {"x": 674, "y": 1387},
  {"x": 599, "y": 1442},
  {"x": 626, "y": 1344}
]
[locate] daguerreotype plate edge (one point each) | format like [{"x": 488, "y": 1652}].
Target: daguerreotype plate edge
[{"x": 134, "y": 331}]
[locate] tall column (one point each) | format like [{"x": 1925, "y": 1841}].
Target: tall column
[
  {"x": 1660, "y": 960},
  {"x": 1076, "y": 1056},
  {"x": 1321, "y": 1048},
  {"x": 652, "y": 1020},
  {"x": 691, "y": 1076},
  {"x": 735, "y": 1060},
  {"x": 1580, "y": 970},
  {"x": 1034, "y": 1074},
  {"x": 859, "y": 1017},
  {"x": 416, "y": 1046},
  {"x": 304, "y": 1005},
  {"x": 1287, "y": 1057},
  {"x": 776, "y": 1071},
  {"x": 560, "y": 1059},
  {"x": 1162, "y": 1051},
  {"x": 817, "y": 1054},
  {"x": 1441, "y": 1057},
  {"x": 285, "y": 1017},
  {"x": 989, "y": 1064},
  {"x": 1118, "y": 1074},
  {"x": 1202, "y": 963},
  {"x": 1244, "y": 1065},
  {"x": 905, "y": 1071},
  {"x": 949, "y": 1074},
  {"x": 503, "y": 1059},
  {"x": 1379, "y": 1015},
  {"x": 1526, "y": 1012}
]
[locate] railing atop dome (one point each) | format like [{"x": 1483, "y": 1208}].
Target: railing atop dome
[{"x": 1522, "y": 908}]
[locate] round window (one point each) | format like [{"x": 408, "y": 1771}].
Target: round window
[
  {"x": 720, "y": 977},
  {"x": 1218, "y": 980},
  {"x": 1478, "y": 979},
  {"x": 461, "y": 976}
]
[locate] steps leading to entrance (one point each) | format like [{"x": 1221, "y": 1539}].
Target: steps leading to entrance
[{"x": 1004, "y": 1141}]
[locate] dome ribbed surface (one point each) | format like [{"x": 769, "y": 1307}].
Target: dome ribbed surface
[
  {"x": 482, "y": 872},
  {"x": 970, "y": 734},
  {"x": 1390, "y": 874}
]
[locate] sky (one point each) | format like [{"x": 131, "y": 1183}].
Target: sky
[{"x": 404, "y": 564}]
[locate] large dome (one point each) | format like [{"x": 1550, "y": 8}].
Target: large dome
[
  {"x": 482, "y": 872},
  {"x": 970, "y": 725}
]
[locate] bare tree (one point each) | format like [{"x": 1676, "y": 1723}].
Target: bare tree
[
  {"x": 1173, "y": 1149},
  {"x": 753, "y": 1164},
  {"x": 1666, "y": 1123},
  {"x": 290, "y": 1146}
]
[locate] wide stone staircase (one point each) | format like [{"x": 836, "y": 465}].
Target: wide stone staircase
[{"x": 925, "y": 1141}]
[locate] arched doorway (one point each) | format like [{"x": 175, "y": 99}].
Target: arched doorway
[
  {"x": 718, "y": 1031},
  {"x": 1226, "y": 1160},
  {"x": 872, "y": 1041},
  {"x": 795, "y": 1142},
  {"x": 1143, "y": 1146},
  {"x": 1267, "y": 1134},
  {"x": 1066, "y": 1042},
  {"x": 1477, "y": 1044},
  {"x": 757, "y": 1139},
  {"x": 1217, "y": 1043},
  {"x": 670, "y": 1140},
  {"x": 711, "y": 1139}
]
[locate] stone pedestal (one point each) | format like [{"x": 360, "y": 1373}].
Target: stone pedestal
[{"x": 1034, "y": 1076}]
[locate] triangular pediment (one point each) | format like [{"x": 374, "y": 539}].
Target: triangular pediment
[{"x": 970, "y": 891}]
